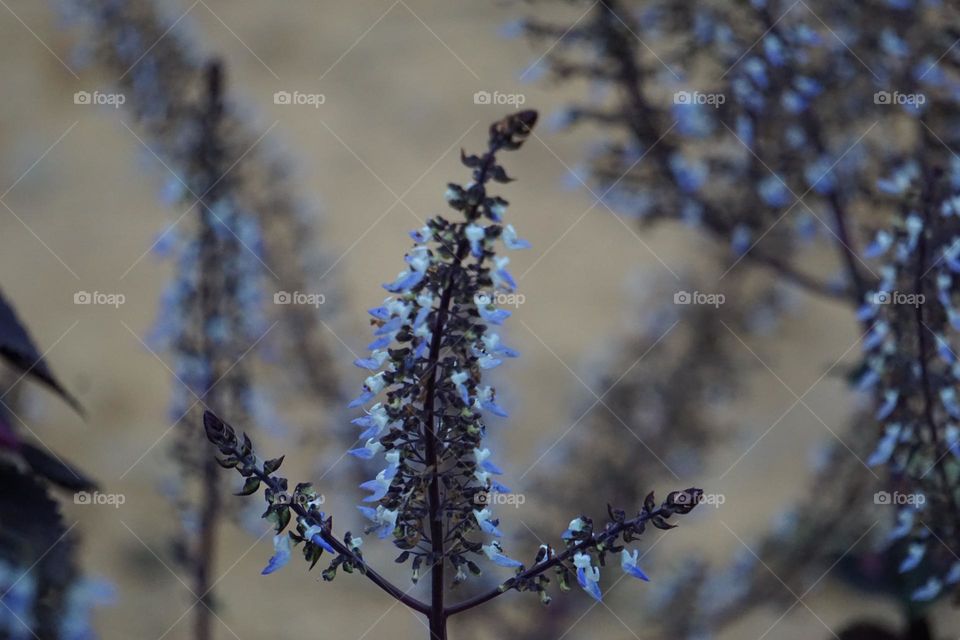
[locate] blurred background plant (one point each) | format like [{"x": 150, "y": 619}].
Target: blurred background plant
[
  {"x": 163, "y": 83},
  {"x": 785, "y": 133},
  {"x": 239, "y": 244},
  {"x": 751, "y": 123},
  {"x": 42, "y": 591}
]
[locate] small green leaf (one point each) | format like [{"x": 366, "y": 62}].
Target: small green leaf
[
  {"x": 227, "y": 463},
  {"x": 249, "y": 487},
  {"x": 272, "y": 465}
]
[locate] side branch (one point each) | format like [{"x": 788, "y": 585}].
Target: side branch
[
  {"x": 223, "y": 436},
  {"x": 595, "y": 540}
]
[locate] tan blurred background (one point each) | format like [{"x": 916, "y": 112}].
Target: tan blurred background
[{"x": 399, "y": 80}]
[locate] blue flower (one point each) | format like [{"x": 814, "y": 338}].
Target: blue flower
[
  {"x": 820, "y": 176},
  {"x": 773, "y": 191},
  {"x": 492, "y": 344},
  {"x": 949, "y": 399},
  {"x": 374, "y": 362},
  {"x": 488, "y": 311},
  {"x": 794, "y": 102},
  {"x": 315, "y": 535},
  {"x": 629, "y": 565},
  {"x": 886, "y": 446},
  {"x": 378, "y": 486},
  {"x": 384, "y": 519},
  {"x": 876, "y": 336},
  {"x": 281, "y": 554},
  {"x": 953, "y": 576},
  {"x": 915, "y": 554},
  {"x": 929, "y": 591},
  {"x": 367, "y": 451},
  {"x": 756, "y": 71},
  {"x": 950, "y": 206},
  {"x": 484, "y": 400},
  {"x": 380, "y": 313},
  {"x": 510, "y": 239},
  {"x": 745, "y": 130},
  {"x": 419, "y": 260},
  {"x": 891, "y": 396},
  {"x": 501, "y": 277},
  {"x": 774, "y": 50},
  {"x": 476, "y": 235},
  {"x": 374, "y": 422},
  {"x": 499, "y": 488},
  {"x": 422, "y": 315},
  {"x": 900, "y": 180},
  {"x": 904, "y": 526},
  {"x": 487, "y": 525},
  {"x": 692, "y": 119},
  {"x": 512, "y": 29},
  {"x": 588, "y": 575},
  {"x": 560, "y": 119},
  {"x": 486, "y": 361},
  {"x": 422, "y": 235},
  {"x": 405, "y": 281},
  {"x": 481, "y": 457},
  {"x": 892, "y": 44},
  {"x": 690, "y": 176},
  {"x": 390, "y": 327},
  {"x": 880, "y": 245},
  {"x": 495, "y": 553},
  {"x": 741, "y": 240},
  {"x": 371, "y": 387},
  {"x": 458, "y": 379},
  {"x": 576, "y": 526}
]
